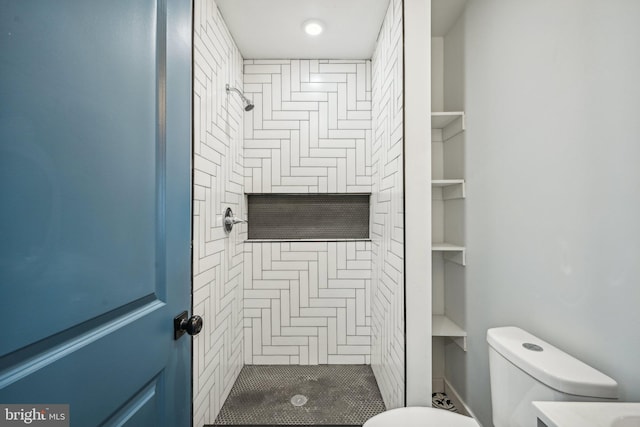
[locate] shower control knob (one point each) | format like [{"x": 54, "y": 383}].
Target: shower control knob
[
  {"x": 191, "y": 325},
  {"x": 230, "y": 219}
]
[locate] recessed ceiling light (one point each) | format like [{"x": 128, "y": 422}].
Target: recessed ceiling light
[{"x": 313, "y": 27}]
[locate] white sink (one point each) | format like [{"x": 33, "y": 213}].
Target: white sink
[{"x": 588, "y": 414}]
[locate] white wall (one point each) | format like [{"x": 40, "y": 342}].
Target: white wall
[
  {"x": 417, "y": 192},
  {"x": 553, "y": 144},
  {"x": 307, "y": 303},
  {"x": 217, "y": 184},
  {"x": 387, "y": 232}
]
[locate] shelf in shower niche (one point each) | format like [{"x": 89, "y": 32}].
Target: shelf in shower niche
[
  {"x": 448, "y": 189},
  {"x": 442, "y": 326},
  {"x": 451, "y": 123},
  {"x": 450, "y": 252}
]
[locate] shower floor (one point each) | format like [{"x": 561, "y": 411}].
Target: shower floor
[{"x": 337, "y": 395}]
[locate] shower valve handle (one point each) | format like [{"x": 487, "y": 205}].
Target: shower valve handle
[
  {"x": 230, "y": 219},
  {"x": 235, "y": 220}
]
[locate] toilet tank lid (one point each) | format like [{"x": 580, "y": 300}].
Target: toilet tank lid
[{"x": 551, "y": 366}]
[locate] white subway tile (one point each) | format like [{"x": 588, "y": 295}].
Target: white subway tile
[
  {"x": 295, "y": 76},
  {"x": 290, "y": 115},
  {"x": 280, "y": 274},
  {"x": 346, "y": 133},
  {"x": 256, "y": 335},
  {"x": 318, "y": 87},
  {"x": 351, "y": 92},
  {"x": 298, "y": 331},
  {"x": 295, "y": 148},
  {"x": 261, "y": 293},
  {"x": 354, "y": 349},
  {"x": 303, "y": 127},
  {"x": 332, "y": 335},
  {"x": 266, "y": 326},
  {"x": 257, "y": 78},
  {"x": 308, "y": 321},
  {"x": 275, "y": 319},
  {"x": 337, "y": 68},
  {"x": 313, "y": 350},
  {"x": 354, "y": 124},
  {"x": 300, "y": 106},
  {"x": 287, "y": 341},
  {"x": 304, "y": 355},
  {"x": 351, "y": 316},
  {"x": 276, "y": 92},
  {"x": 294, "y": 299},
  {"x": 270, "y": 284},
  {"x": 328, "y": 302},
  {"x": 266, "y": 101},
  {"x": 279, "y": 350},
  {"x": 346, "y": 283},
  {"x": 284, "y": 307},
  {"x": 304, "y": 70},
  {"x": 343, "y": 359},
  {"x": 328, "y": 78},
  {"x": 361, "y": 340},
  {"x": 281, "y": 124},
  {"x": 271, "y": 360},
  {"x": 272, "y": 134},
  {"x": 261, "y": 69},
  {"x": 286, "y": 82},
  {"x": 341, "y": 326},
  {"x": 308, "y": 96}
]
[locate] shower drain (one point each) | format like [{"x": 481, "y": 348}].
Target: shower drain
[{"x": 299, "y": 400}]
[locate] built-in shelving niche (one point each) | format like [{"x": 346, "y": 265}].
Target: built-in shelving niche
[
  {"x": 448, "y": 191},
  {"x": 448, "y": 195}
]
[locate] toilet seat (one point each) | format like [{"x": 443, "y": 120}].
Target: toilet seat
[{"x": 420, "y": 417}]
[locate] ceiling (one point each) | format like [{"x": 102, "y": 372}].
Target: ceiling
[{"x": 272, "y": 29}]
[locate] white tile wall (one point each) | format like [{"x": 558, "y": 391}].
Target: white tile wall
[
  {"x": 310, "y": 130},
  {"x": 307, "y": 303},
  {"x": 387, "y": 328},
  {"x": 218, "y": 181}
]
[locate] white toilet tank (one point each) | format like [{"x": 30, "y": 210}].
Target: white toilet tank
[{"x": 524, "y": 369}]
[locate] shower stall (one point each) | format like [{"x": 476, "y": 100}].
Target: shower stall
[{"x": 320, "y": 312}]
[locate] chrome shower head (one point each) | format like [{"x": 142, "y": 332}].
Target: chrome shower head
[{"x": 248, "y": 105}]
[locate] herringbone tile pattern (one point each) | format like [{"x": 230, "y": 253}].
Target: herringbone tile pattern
[
  {"x": 217, "y": 184},
  {"x": 387, "y": 229},
  {"x": 307, "y": 303},
  {"x": 310, "y": 130}
]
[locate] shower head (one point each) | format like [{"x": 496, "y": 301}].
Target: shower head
[{"x": 248, "y": 105}]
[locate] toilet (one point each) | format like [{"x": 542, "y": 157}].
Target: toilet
[{"x": 522, "y": 369}]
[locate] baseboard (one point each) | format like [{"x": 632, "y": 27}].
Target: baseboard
[{"x": 457, "y": 400}]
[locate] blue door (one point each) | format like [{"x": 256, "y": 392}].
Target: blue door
[{"x": 95, "y": 208}]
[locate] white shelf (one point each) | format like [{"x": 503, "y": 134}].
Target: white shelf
[
  {"x": 442, "y": 326},
  {"x": 451, "y": 188},
  {"x": 451, "y": 123},
  {"x": 446, "y": 182},
  {"x": 451, "y": 252},
  {"x": 441, "y": 120}
]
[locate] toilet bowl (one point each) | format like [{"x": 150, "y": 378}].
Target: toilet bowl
[{"x": 420, "y": 417}]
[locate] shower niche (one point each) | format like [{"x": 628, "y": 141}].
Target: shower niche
[{"x": 448, "y": 185}]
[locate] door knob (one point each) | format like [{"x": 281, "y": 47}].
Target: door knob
[{"x": 182, "y": 323}]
